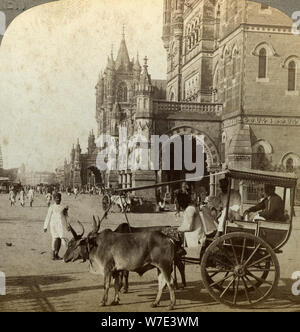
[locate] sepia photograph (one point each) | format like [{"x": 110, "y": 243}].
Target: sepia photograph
[{"x": 149, "y": 158}]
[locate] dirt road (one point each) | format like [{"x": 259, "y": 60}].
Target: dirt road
[{"x": 36, "y": 283}]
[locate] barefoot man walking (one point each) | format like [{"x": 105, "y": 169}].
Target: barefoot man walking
[{"x": 57, "y": 218}]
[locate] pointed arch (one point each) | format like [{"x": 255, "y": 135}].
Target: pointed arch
[{"x": 213, "y": 157}]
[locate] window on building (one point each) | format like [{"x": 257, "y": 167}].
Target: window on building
[
  {"x": 233, "y": 65},
  {"x": 260, "y": 159},
  {"x": 197, "y": 35},
  {"x": 172, "y": 96},
  {"x": 290, "y": 165},
  {"x": 292, "y": 76},
  {"x": 122, "y": 92},
  {"x": 262, "y": 71}
]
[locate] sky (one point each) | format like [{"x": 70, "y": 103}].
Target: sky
[{"x": 50, "y": 60}]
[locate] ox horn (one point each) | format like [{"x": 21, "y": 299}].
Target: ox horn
[
  {"x": 99, "y": 222},
  {"x": 95, "y": 224},
  {"x": 73, "y": 232},
  {"x": 83, "y": 230}
]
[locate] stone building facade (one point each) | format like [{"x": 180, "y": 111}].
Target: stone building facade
[
  {"x": 243, "y": 56},
  {"x": 121, "y": 87},
  {"x": 232, "y": 77}
]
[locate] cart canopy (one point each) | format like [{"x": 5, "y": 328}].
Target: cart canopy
[{"x": 287, "y": 180}]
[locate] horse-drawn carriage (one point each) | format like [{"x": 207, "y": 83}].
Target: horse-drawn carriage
[
  {"x": 124, "y": 202},
  {"x": 240, "y": 268}
]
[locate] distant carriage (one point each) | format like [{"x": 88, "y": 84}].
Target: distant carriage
[{"x": 122, "y": 202}]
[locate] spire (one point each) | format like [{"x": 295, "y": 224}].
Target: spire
[
  {"x": 110, "y": 62},
  {"x": 146, "y": 64},
  {"x": 137, "y": 65},
  {"x": 78, "y": 144},
  {"x": 123, "y": 57},
  {"x": 73, "y": 154},
  {"x": 112, "y": 51},
  {"x": 123, "y": 34},
  {"x": 145, "y": 78},
  {"x": 145, "y": 85}
]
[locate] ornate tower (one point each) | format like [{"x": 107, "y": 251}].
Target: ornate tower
[
  {"x": 72, "y": 155},
  {"x": 173, "y": 43},
  {"x": 91, "y": 143},
  {"x": 77, "y": 167},
  {"x": 143, "y": 175}
]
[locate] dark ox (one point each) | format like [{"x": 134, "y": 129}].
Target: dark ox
[
  {"x": 179, "y": 252},
  {"x": 109, "y": 253}
]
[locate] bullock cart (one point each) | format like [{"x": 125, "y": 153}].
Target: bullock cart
[{"x": 240, "y": 268}]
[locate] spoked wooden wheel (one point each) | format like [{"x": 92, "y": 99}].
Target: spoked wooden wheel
[
  {"x": 105, "y": 202},
  {"x": 240, "y": 270}
]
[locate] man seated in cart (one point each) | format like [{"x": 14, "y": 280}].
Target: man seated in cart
[
  {"x": 271, "y": 207},
  {"x": 197, "y": 223}
]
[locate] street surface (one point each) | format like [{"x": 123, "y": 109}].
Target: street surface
[{"x": 36, "y": 283}]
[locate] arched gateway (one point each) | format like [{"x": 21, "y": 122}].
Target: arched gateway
[{"x": 212, "y": 160}]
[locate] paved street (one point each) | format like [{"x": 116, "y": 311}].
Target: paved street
[{"x": 35, "y": 283}]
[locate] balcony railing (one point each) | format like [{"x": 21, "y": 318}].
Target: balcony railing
[{"x": 168, "y": 107}]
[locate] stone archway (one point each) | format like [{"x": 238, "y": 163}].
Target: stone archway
[
  {"x": 94, "y": 176},
  {"x": 213, "y": 160},
  {"x": 213, "y": 157}
]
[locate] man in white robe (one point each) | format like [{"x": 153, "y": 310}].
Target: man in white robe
[
  {"x": 22, "y": 197},
  {"x": 196, "y": 225},
  {"x": 12, "y": 197},
  {"x": 57, "y": 219},
  {"x": 30, "y": 196}
]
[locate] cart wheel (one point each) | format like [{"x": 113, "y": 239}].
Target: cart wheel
[
  {"x": 105, "y": 202},
  {"x": 240, "y": 270},
  {"x": 265, "y": 267}
]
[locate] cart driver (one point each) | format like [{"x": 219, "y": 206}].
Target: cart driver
[{"x": 271, "y": 207}]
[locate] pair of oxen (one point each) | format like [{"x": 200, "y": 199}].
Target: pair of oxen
[{"x": 136, "y": 249}]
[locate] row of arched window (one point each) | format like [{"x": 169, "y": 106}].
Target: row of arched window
[
  {"x": 262, "y": 151},
  {"x": 230, "y": 68},
  {"x": 291, "y": 66},
  {"x": 192, "y": 35}
]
